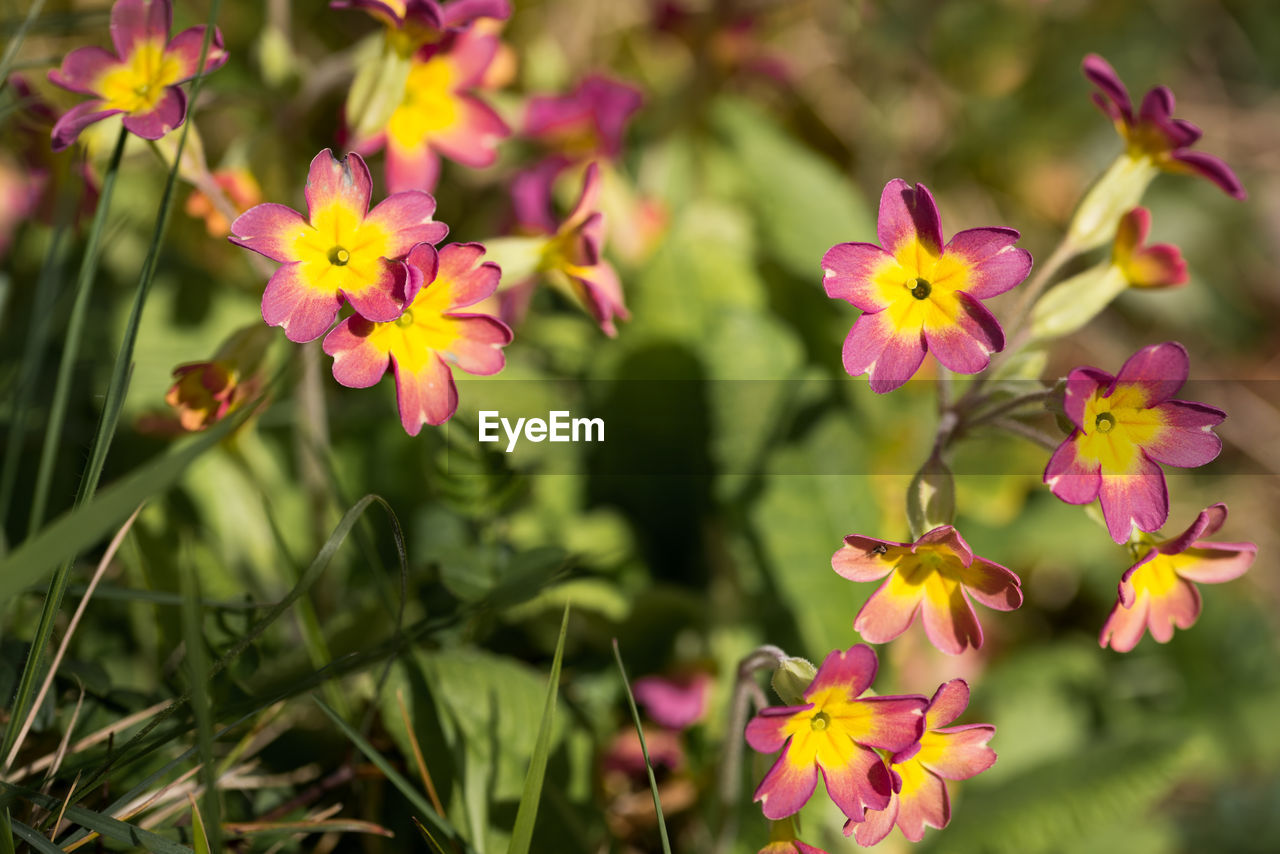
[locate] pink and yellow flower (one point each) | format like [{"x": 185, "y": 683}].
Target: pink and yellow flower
[
  {"x": 944, "y": 753},
  {"x": 428, "y": 337},
  {"x": 1125, "y": 427},
  {"x": 341, "y": 251},
  {"x": 140, "y": 80},
  {"x": 837, "y": 732},
  {"x": 1158, "y": 592},
  {"x": 418, "y": 22},
  {"x": 918, "y": 295},
  {"x": 440, "y": 115},
  {"x": 1153, "y": 132},
  {"x": 1157, "y": 266},
  {"x": 936, "y": 575}
]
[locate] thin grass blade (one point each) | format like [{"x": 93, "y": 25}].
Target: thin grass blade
[
  {"x": 33, "y": 838},
  {"x": 199, "y": 839},
  {"x": 11, "y": 52},
  {"x": 198, "y": 673},
  {"x": 108, "y": 827},
  {"x": 635, "y": 717}
]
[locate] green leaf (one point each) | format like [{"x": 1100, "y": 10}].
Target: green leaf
[
  {"x": 644, "y": 750},
  {"x": 438, "y": 822},
  {"x": 34, "y": 838},
  {"x": 803, "y": 203},
  {"x": 199, "y": 839},
  {"x": 527, "y": 814},
  {"x": 931, "y": 497}
]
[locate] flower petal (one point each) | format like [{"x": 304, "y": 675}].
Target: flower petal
[
  {"x": 1179, "y": 606},
  {"x": 890, "y": 356},
  {"x": 673, "y": 703},
  {"x": 384, "y": 299},
  {"x": 1082, "y": 384},
  {"x": 1116, "y": 103},
  {"x": 1070, "y": 478},
  {"x": 949, "y": 620},
  {"x": 186, "y": 46},
  {"x": 531, "y": 194},
  {"x": 863, "y": 558},
  {"x": 1160, "y": 370},
  {"x": 995, "y": 265},
  {"x": 948, "y": 703},
  {"x": 476, "y": 350},
  {"x": 848, "y": 273},
  {"x": 908, "y": 214},
  {"x": 1206, "y": 524},
  {"x": 468, "y": 280},
  {"x": 889, "y": 611},
  {"x": 269, "y": 229},
  {"x": 81, "y": 69},
  {"x": 462, "y": 12},
  {"x": 1210, "y": 167},
  {"x": 787, "y": 786},
  {"x": 406, "y": 219},
  {"x": 851, "y": 670},
  {"x": 992, "y": 585},
  {"x": 1140, "y": 498},
  {"x": 1186, "y": 439},
  {"x": 962, "y": 753},
  {"x": 290, "y": 302},
  {"x": 134, "y": 21},
  {"x": 168, "y": 113},
  {"x": 875, "y": 825},
  {"x": 922, "y": 802},
  {"x": 73, "y": 121},
  {"x": 473, "y": 140},
  {"x": 357, "y": 363},
  {"x": 1158, "y": 266},
  {"x": 1125, "y": 625},
  {"x": 948, "y": 537},
  {"x": 965, "y": 346},
  {"x": 767, "y": 731},
  {"x": 411, "y": 169},
  {"x": 344, "y": 181},
  {"x": 860, "y": 784},
  {"x": 893, "y": 723},
  {"x": 1217, "y": 562},
  {"x": 427, "y": 396}
]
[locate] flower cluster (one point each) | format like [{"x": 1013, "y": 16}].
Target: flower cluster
[{"x": 883, "y": 759}]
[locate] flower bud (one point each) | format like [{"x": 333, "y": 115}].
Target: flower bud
[
  {"x": 1118, "y": 190},
  {"x": 792, "y": 679}
]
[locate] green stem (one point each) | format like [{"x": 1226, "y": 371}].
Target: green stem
[{"x": 70, "y": 352}]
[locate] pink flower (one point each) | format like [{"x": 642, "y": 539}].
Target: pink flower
[
  {"x": 431, "y": 334},
  {"x": 1156, "y": 266},
  {"x": 140, "y": 79},
  {"x": 838, "y": 734},
  {"x": 1125, "y": 427},
  {"x": 1153, "y": 132},
  {"x": 341, "y": 251},
  {"x": 944, "y": 753},
  {"x": 674, "y": 703},
  {"x": 937, "y": 574},
  {"x": 918, "y": 295},
  {"x": 417, "y": 22},
  {"x": 1157, "y": 592}
]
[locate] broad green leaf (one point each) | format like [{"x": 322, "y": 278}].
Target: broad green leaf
[{"x": 527, "y": 814}]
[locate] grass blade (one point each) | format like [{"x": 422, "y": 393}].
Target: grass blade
[
  {"x": 438, "y": 822},
  {"x": 199, "y": 839},
  {"x": 33, "y": 838},
  {"x": 104, "y": 825},
  {"x": 635, "y": 717},
  {"x": 198, "y": 673},
  {"x": 527, "y": 814},
  {"x": 11, "y": 52}
]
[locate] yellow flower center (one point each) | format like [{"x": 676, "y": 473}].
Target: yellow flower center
[
  {"x": 429, "y": 105},
  {"x": 1156, "y": 577},
  {"x": 1121, "y": 425},
  {"x": 340, "y": 250},
  {"x": 819, "y": 721},
  {"x": 921, "y": 288},
  {"x": 339, "y": 256},
  {"x": 919, "y": 284},
  {"x": 421, "y": 330},
  {"x": 137, "y": 85}
]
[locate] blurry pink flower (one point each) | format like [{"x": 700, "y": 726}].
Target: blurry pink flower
[
  {"x": 944, "y": 753},
  {"x": 674, "y": 703},
  {"x": 342, "y": 251},
  {"x": 430, "y": 336},
  {"x": 624, "y": 754},
  {"x": 242, "y": 190},
  {"x": 918, "y": 295},
  {"x": 1125, "y": 427},
  {"x": 937, "y": 574},
  {"x": 1156, "y": 266},
  {"x": 141, "y": 79},
  {"x": 1153, "y": 132},
  {"x": 418, "y": 22},
  {"x": 837, "y": 733},
  {"x": 1157, "y": 592}
]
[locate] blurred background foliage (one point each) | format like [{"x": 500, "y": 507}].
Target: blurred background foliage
[{"x": 767, "y": 132}]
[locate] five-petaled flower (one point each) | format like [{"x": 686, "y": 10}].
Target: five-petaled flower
[
  {"x": 342, "y": 250},
  {"x": 918, "y": 295},
  {"x": 428, "y": 337},
  {"x": 835, "y": 732},
  {"x": 141, "y": 79},
  {"x": 1157, "y": 592},
  {"x": 1157, "y": 266},
  {"x": 936, "y": 574},
  {"x": 1153, "y": 132},
  {"x": 944, "y": 753},
  {"x": 1125, "y": 426}
]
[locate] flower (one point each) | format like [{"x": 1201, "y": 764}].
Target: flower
[
  {"x": 936, "y": 574},
  {"x": 1157, "y": 592},
  {"x": 242, "y": 190},
  {"x": 141, "y": 79},
  {"x": 918, "y": 295},
  {"x": 783, "y": 840},
  {"x": 421, "y": 343},
  {"x": 835, "y": 732},
  {"x": 1125, "y": 426},
  {"x": 581, "y": 126},
  {"x": 1154, "y": 133},
  {"x": 418, "y": 22},
  {"x": 675, "y": 703},
  {"x": 439, "y": 114},
  {"x": 341, "y": 251},
  {"x": 944, "y": 753},
  {"x": 1157, "y": 266},
  {"x": 203, "y": 393}
]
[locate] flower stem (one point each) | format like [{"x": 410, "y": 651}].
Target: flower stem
[{"x": 745, "y": 692}]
